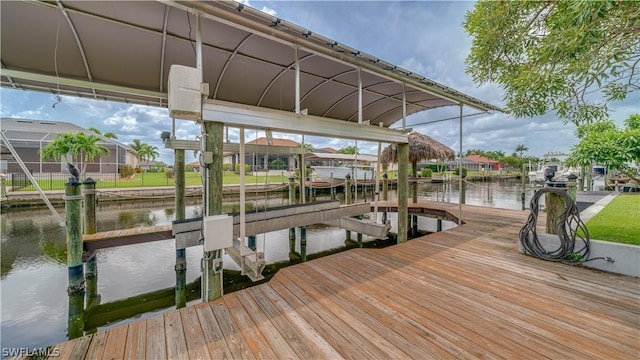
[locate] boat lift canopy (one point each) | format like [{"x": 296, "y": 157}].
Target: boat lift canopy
[{"x": 122, "y": 51}]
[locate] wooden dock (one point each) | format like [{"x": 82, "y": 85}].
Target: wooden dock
[{"x": 462, "y": 293}]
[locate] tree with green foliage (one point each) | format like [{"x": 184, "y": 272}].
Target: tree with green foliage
[
  {"x": 145, "y": 151},
  {"x": 109, "y": 134},
  {"x": 521, "y": 149},
  {"x": 348, "y": 150},
  {"x": 78, "y": 146},
  {"x": 308, "y": 148},
  {"x": 136, "y": 145},
  {"x": 614, "y": 148},
  {"x": 148, "y": 152},
  {"x": 571, "y": 57}
]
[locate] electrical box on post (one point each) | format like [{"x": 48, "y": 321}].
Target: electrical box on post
[
  {"x": 185, "y": 96},
  {"x": 218, "y": 232}
]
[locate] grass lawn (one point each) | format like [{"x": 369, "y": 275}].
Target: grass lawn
[
  {"x": 191, "y": 178},
  {"x": 149, "y": 179},
  {"x": 619, "y": 221}
]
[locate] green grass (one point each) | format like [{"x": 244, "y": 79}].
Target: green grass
[
  {"x": 619, "y": 221},
  {"x": 191, "y": 178},
  {"x": 159, "y": 179}
]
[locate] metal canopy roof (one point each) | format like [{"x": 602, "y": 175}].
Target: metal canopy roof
[{"x": 122, "y": 51}]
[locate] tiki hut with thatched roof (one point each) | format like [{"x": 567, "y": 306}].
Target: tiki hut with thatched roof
[{"x": 421, "y": 147}]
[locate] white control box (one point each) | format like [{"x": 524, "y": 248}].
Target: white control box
[
  {"x": 185, "y": 97},
  {"x": 218, "y": 232}
]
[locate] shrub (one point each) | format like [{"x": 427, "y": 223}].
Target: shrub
[
  {"x": 227, "y": 167},
  {"x": 247, "y": 169},
  {"x": 126, "y": 171},
  {"x": 426, "y": 172},
  {"x": 168, "y": 173},
  {"x": 278, "y": 164},
  {"x": 456, "y": 171}
]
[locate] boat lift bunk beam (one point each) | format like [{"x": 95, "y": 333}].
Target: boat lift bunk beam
[{"x": 253, "y": 117}]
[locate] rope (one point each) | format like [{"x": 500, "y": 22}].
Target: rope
[{"x": 569, "y": 229}]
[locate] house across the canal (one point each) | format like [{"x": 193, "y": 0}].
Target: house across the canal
[{"x": 28, "y": 137}]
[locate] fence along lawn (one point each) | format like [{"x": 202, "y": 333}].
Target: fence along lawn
[{"x": 147, "y": 179}]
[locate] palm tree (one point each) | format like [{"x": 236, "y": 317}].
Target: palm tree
[
  {"x": 110, "y": 135},
  {"x": 148, "y": 152},
  {"x": 348, "y": 150},
  {"x": 520, "y": 149},
  {"x": 97, "y": 131},
  {"x": 65, "y": 144},
  {"x": 74, "y": 145},
  {"x": 137, "y": 144},
  {"x": 89, "y": 148}
]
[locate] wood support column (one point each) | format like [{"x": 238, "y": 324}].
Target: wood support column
[{"x": 403, "y": 182}]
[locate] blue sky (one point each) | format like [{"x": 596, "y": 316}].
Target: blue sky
[{"x": 424, "y": 37}]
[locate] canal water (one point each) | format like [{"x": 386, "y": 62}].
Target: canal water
[{"x": 34, "y": 302}]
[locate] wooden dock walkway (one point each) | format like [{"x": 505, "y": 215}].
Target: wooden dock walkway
[{"x": 462, "y": 293}]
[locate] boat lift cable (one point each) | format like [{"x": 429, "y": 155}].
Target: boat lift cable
[
  {"x": 569, "y": 228},
  {"x": 32, "y": 179}
]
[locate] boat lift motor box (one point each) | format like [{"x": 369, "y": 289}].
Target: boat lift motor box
[
  {"x": 185, "y": 92},
  {"x": 218, "y": 232}
]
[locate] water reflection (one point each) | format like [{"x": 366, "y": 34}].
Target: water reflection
[{"x": 139, "y": 281}]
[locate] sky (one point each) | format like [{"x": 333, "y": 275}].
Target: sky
[{"x": 425, "y": 37}]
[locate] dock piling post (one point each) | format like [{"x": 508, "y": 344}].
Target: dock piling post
[
  {"x": 385, "y": 195},
  {"x": 73, "y": 204},
  {"x": 75, "y": 317},
  {"x": 347, "y": 200},
  {"x": 292, "y": 231},
  {"x": 90, "y": 227},
  {"x": 303, "y": 243},
  {"x": 181, "y": 257},
  {"x": 438, "y": 225},
  {"x": 403, "y": 182},
  {"x": 212, "y": 260}
]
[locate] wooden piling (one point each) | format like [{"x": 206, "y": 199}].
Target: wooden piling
[
  {"x": 179, "y": 174},
  {"x": 385, "y": 195},
  {"x": 90, "y": 223},
  {"x": 403, "y": 182},
  {"x": 438, "y": 225},
  {"x": 90, "y": 227},
  {"x": 212, "y": 264},
  {"x": 303, "y": 243},
  {"x": 73, "y": 204},
  {"x": 75, "y": 316},
  {"x": 292, "y": 231},
  {"x": 554, "y": 205},
  {"x": 347, "y": 201},
  {"x": 180, "y": 210}
]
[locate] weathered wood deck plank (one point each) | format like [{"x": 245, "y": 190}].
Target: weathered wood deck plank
[
  {"x": 135, "y": 346},
  {"x": 251, "y": 333},
  {"x": 113, "y": 345},
  {"x": 462, "y": 293},
  {"x": 156, "y": 341},
  {"x": 279, "y": 344},
  {"x": 174, "y": 332},
  {"x": 232, "y": 335},
  {"x": 196, "y": 342},
  {"x": 216, "y": 344},
  {"x": 97, "y": 345}
]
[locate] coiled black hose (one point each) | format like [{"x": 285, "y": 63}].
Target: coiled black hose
[{"x": 569, "y": 229}]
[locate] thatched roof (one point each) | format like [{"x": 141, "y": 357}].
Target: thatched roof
[{"x": 421, "y": 147}]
